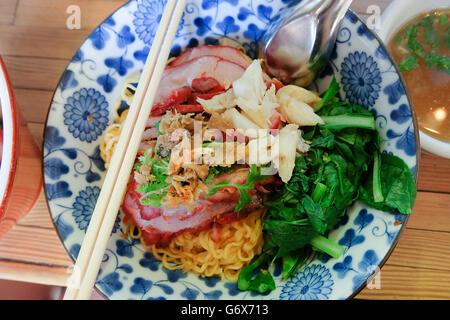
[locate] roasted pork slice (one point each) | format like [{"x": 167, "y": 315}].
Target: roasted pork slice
[
  {"x": 160, "y": 224},
  {"x": 176, "y": 77},
  {"x": 225, "y": 52},
  {"x": 172, "y": 221},
  {"x": 162, "y": 231}
]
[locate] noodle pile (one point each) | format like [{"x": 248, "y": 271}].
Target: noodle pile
[
  {"x": 110, "y": 138},
  {"x": 240, "y": 241},
  {"x": 196, "y": 252}
]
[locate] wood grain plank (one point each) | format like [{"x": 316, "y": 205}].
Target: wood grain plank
[
  {"x": 33, "y": 72},
  {"x": 422, "y": 249},
  {"x": 431, "y": 212},
  {"x": 7, "y": 11},
  {"x": 25, "y": 243},
  {"x": 48, "y": 275},
  {"x": 37, "y": 131},
  {"x": 39, "y": 217},
  {"x": 36, "y": 51},
  {"x": 361, "y": 6},
  {"x": 35, "y": 41},
  {"x": 33, "y": 104},
  {"x": 434, "y": 173},
  {"x": 397, "y": 282},
  {"x": 50, "y": 13}
]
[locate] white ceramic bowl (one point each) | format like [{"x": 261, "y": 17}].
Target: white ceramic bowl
[
  {"x": 20, "y": 174},
  {"x": 93, "y": 82},
  {"x": 10, "y": 139},
  {"x": 397, "y": 14}
]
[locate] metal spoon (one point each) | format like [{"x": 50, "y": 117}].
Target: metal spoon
[{"x": 299, "y": 42}]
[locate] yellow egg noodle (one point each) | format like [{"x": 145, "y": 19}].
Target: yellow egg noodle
[{"x": 196, "y": 252}]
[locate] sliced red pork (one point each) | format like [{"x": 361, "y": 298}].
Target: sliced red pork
[
  {"x": 160, "y": 224},
  {"x": 224, "y": 71},
  {"x": 225, "y": 52}
]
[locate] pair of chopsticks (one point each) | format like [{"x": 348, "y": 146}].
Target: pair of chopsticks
[{"x": 102, "y": 221}]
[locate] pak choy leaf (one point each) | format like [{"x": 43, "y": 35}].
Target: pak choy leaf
[
  {"x": 325, "y": 181},
  {"x": 398, "y": 186},
  {"x": 342, "y": 108},
  {"x": 262, "y": 281},
  {"x": 327, "y": 246},
  {"x": 330, "y": 95},
  {"x": 288, "y": 235},
  {"x": 293, "y": 261},
  {"x": 350, "y": 120}
]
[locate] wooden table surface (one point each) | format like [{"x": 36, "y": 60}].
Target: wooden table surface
[{"x": 36, "y": 47}]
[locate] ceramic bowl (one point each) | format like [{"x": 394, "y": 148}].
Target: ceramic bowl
[
  {"x": 20, "y": 174},
  {"x": 396, "y": 15},
  {"x": 89, "y": 90}
]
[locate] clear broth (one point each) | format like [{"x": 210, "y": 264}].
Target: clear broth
[{"x": 429, "y": 87}]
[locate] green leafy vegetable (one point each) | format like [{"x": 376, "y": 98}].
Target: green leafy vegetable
[
  {"x": 288, "y": 235},
  {"x": 434, "y": 38},
  {"x": 330, "y": 95},
  {"x": 343, "y": 165},
  {"x": 408, "y": 64},
  {"x": 325, "y": 245},
  {"x": 442, "y": 63},
  {"x": 289, "y": 263},
  {"x": 217, "y": 144},
  {"x": 293, "y": 261},
  {"x": 377, "y": 192},
  {"x": 349, "y": 121},
  {"x": 155, "y": 190},
  {"x": 262, "y": 282},
  {"x": 157, "y": 127},
  {"x": 217, "y": 171},
  {"x": 397, "y": 186},
  {"x": 146, "y": 159}
]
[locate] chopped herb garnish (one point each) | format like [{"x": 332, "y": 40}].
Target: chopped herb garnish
[
  {"x": 156, "y": 189},
  {"x": 254, "y": 175},
  {"x": 212, "y": 144},
  {"x": 409, "y": 64},
  {"x": 146, "y": 158},
  {"x": 434, "y": 38},
  {"x": 157, "y": 127},
  {"x": 442, "y": 63},
  {"x": 217, "y": 171}
]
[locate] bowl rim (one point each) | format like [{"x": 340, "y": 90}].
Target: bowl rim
[
  {"x": 392, "y": 25},
  {"x": 416, "y": 136},
  {"x": 8, "y": 169},
  {"x": 413, "y": 117}
]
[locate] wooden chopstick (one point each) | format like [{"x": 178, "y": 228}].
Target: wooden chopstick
[
  {"x": 108, "y": 204},
  {"x": 117, "y": 158}
]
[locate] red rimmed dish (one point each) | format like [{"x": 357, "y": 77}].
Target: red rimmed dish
[{"x": 20, "y": 175}]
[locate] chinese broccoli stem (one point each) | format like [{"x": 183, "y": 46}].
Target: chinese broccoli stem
[
  {"x": 325, "y": 245},
  {"x": 349, "y": 120}
]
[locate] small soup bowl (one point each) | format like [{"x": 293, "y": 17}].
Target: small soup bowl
[
  {"x": 20, "y": 173},
  {"x": 396, "y": 15}
]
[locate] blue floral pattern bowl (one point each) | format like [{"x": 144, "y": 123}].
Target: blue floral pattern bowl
[{"x": 89, "y": 91}]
